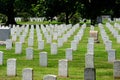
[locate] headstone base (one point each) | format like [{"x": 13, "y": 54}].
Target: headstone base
[
  {"x": 2, "y": 43},
  {"x": 90, "y": 74},
  {"x": 117, "y": 78}
]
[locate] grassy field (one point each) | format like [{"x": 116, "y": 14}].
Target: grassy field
[{"x": 104, "y": 70}]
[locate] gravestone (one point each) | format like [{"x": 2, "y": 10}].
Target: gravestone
[
  {"x": 116, "y": 69},
  {"x": 74, "y": 45},
  {"x": 41, "y": 45},
  {"x": 8, "y": 44},
  {"x": 22, "y": 38},
  {"x": 89, "y": 61},
  {"x": 91, "y": 40},
  {"x": 43, "y": 59},
  {"x": 39, "y": 37},
  {"x": 89, "y": 74},
  {"x": 49, "y": 39},
  {"x": 1, "y": 57},
  {"x": 63, "y": 68},
  {"x": 50, "y": 77},
  {"x": 14, "y": 37},
  {"x": 118, "y": 39},
  {"x": 99, "y": 19},
  {"x": 90, "y": 48},
  {"x": 30, "y": 41},
  {"x": 65, "y": 38},
  {"x": 94, "y": 34},
  {"x": 108, "y": 45},
  {"x": 11, "y": 67},
  {"x": 53, "y": 48},
  {"x": 76, "y": 38},
  {"x": 60, "y": 42},
  {"x": 92, "y": 28},
  {"x": 27, "y": 74},
  {"x": 69, "y": 54},
  {"x": 18, "y": 31},
  {"x": 55, "y": 35},
  {"x": 29, "y": 53},
  {"x": 18, "y": 47},
  {"x": 111, "y": 55},
  {"x": 4, "y": 33}
]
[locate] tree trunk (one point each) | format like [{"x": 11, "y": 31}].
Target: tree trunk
[
  {"x": 10, "y": 19},
  {"x": 10, "y": 14},
  {"x": 67, "y": 19}
]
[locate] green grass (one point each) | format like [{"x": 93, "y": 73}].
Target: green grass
[
  {"x": 44, "y": 22},
  {"x": 104, "y": 70}
]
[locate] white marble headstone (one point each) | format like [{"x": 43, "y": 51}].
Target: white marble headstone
[
  {"x": 1, "y": 57},
  {"x": 89, "y": 61},
  {"x": 18, "y": 47},
  {"x": 43, "y": 59},
  {"x": 8, "y": 44},
  {"x": 69, "y": 54},
  {"x": 53, "y": 48},
  {"x": 41, "y": 45},
  {"x": 63, "y": 68},
  {"x": 29, "y": 53},
  {"x": 50, "y": 77},
  {"x": 11, "y": 67},
  {"x": 30, "y": 41},
  {"x": 27, "y": 74}
]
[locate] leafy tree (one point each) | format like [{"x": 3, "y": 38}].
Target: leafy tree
[
  {"x": 116, "y": 9},
  {"x": 89, "y": 9},
  {"x": 25, "y": 6},
  {"x": 52, "y": 8},
  {"x": 94, "y": 8},
  {"x": 7, "y": 8},
  {"x": 75, "y": 18},
  {"x": 11, "y": 7},
  {"x": 71, "y": 7},
  {"x": 56, "y": 7},
  {"x": 39, "y": 8}
]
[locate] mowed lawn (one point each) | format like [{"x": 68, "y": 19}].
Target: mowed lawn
[{"x": 104, "y": 70}]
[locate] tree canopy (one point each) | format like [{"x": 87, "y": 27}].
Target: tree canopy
[{"x": 88, "y": 9}]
